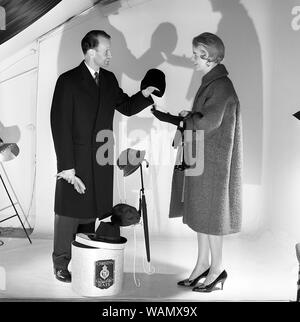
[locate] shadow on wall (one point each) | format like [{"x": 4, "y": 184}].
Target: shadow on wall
[
  {"x": 10, "y": 134},
  {"x": 239, "y": 35},
  {"x": 123, "y": 63},
  {"x": 244, "y": 63}
]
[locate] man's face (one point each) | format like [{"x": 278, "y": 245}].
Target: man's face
[{"x": 102, "y": 53}]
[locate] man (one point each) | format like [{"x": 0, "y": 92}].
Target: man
[{"x": 83, "y": 105}]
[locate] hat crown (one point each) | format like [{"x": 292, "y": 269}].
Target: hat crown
[
  {"x": 155, "y": 77},
  {"x": 108, "y": 232},
  {"x": 125, "y": 215},
  {"x": 129, "y": 160}
]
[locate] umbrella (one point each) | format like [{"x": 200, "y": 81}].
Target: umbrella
[{"x": 129, "y": 161}]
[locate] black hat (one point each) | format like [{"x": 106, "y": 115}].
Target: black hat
[
  {"x": 109, "y": 233},
  {"x": 155, "y": 77},
  {"x": 129, "y": 160},
  {"x": 125, "y": 215}
]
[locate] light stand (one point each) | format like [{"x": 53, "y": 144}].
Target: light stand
[
  {"x": 9, "y": 151},
  {"x": 298, "y": 283}
]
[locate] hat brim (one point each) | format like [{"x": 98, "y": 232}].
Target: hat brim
[
  {"x": 129, "y": 168},
  {"x": 128, "y": 171},
  {"x": 121, "y": 240}
]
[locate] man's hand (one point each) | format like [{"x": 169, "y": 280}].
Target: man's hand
[
  {"x": 68, "y": 175},
  {"x": 149, "y": 90},
  {"x": 79, "y": 185}
]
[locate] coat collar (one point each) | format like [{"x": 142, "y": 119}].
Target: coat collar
[
  {"x": 88, "y": 81},
  {"x": 218, "y": 71}
]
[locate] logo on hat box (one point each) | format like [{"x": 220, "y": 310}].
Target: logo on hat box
[{"x": 104, "y": 273}]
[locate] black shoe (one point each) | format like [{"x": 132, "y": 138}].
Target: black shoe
[
  {"x": 211, "y": 287},
  {"x": 188, "y": 283},
  {"x": 62, "y": 275}
]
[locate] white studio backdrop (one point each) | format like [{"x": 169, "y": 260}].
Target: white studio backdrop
[
  {"x": 149, "y": 35},
  {"x": 158, "y": 34},
  {"x": 18, "y": 94}
]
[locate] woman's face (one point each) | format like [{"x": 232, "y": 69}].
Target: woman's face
[{"x": 199, "y": 58}]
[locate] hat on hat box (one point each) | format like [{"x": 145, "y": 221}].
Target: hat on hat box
[
  {"x": 108, "y": 232},
  {"x": 130, "y": 160},
  {"x": 125, "y": 215},
  {"x": 155, "y": 77}
]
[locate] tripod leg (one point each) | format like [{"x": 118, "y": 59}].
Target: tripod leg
[
  {"x": 15, "y": 209},
  {"x": 298, "y": 284},
  {"x": 15, "y": 195}
]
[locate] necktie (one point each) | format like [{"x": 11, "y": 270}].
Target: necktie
[{"x": 96, "y": 75}]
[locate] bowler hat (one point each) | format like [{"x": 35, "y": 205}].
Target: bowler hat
[
  {"x": 125, "y": 215},
  {"x": 108, "y": 232},
  {"x": 129, "y": 160},
  {"x": 155, "y": 77}
]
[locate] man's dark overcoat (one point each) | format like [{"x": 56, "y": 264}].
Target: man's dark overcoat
[{"x": 80, "y": 110}]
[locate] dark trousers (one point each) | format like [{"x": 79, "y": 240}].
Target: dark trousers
[{"x": 65, "y": 230}]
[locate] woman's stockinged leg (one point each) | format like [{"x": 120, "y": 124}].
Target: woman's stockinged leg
[
  {"x": 202, "y": 263},
  {"x": 216, "y": 250}
]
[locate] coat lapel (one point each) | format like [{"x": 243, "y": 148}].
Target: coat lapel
[
  {"x": 88, "y": 82},
  {"x": 217, "y": 72}
]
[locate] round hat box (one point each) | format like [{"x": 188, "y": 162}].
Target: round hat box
[{"x": 97, "y": 267}]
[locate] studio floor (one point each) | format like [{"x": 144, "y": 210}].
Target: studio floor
[{"x": 260, "y": 268}]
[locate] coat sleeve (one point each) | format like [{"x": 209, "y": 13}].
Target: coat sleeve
[
  {"x": 61, "y": 124},
  {"x": 130, "y": 105},
  {"x": 211, "y": 115}
]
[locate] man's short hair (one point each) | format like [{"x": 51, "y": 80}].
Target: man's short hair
[
  {"x": 212, "y": 44},
  {"x": 90, "y": 40}
]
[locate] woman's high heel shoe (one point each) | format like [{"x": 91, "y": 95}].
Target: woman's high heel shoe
[
  {"x": 188, "y": 283},
  {"x": 211, "y": 287}
]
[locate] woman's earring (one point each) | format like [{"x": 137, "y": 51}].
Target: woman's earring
[{"x": 208, "y": 64}]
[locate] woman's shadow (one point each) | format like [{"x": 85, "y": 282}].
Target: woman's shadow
[{"x": 244, "y": 63}]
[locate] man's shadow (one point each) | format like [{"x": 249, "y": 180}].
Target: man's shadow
[
  {"x": 244, "y": 63},
  {"x": 123, "y": 63},
  {"x": 10, "y": 134}
]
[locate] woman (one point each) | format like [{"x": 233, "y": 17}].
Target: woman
[{"x": 210, "y": 203}]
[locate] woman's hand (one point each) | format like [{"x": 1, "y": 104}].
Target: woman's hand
[
  {"x": 184, "y": 113},
  {"x": 166, "y": 117}
]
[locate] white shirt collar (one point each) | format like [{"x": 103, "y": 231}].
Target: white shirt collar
[{"x": 92, "y": 71}]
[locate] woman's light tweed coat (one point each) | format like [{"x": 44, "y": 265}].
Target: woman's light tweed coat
[{"x": 211, "y": 201}]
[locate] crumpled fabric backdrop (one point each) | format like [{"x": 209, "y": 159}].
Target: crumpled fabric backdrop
[{"x": 19, "y": 14}]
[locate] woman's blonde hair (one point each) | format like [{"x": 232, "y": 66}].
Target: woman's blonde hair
[{"x": 211, "y": 45}]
